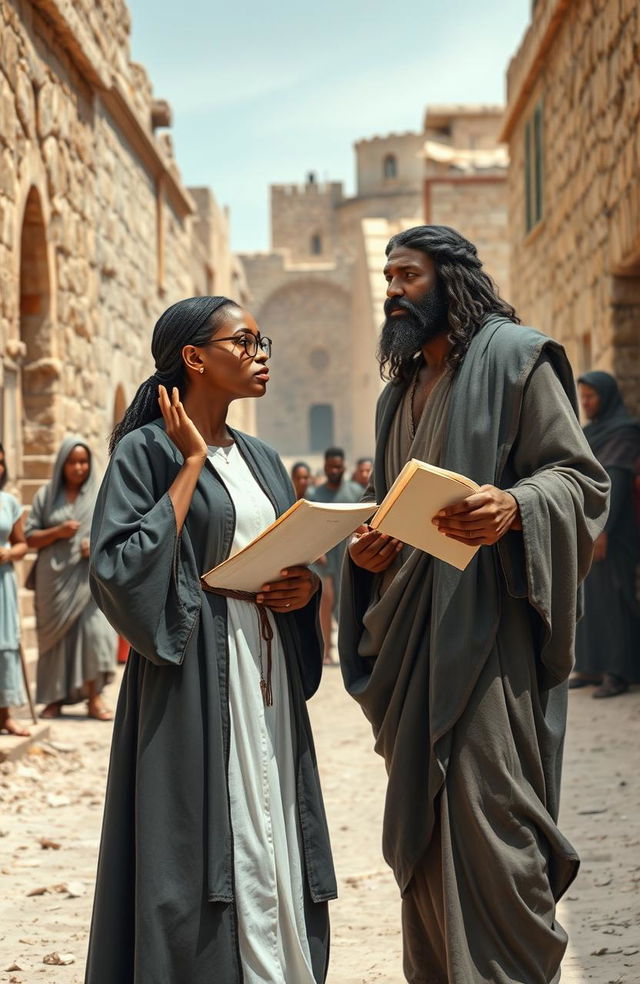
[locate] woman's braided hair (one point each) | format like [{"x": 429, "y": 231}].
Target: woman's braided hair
[
  {"x": 188, "y": 322},
  {"x": 470, "y": 292}
]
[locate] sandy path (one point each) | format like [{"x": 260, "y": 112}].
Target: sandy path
[{"x": 55, "y": 793}]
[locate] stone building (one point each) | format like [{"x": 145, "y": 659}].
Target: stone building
[
  {"x": 97, "y": 232},
  {"x": 319, "y": 291},
  {"x": 465, "y": 182},
  {"x": 572, "y": 125}
]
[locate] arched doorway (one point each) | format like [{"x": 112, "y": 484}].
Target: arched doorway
[{"x": 37, "y": 371}]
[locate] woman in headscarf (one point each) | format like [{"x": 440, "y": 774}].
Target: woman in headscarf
[
  {"x": 76, "y": 645},
  {"x": 215, "y": 862},
  {"x": 608, "y": 636},
  {"x": 12, "y": 549}
]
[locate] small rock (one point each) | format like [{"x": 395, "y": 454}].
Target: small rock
[
  {"x": 48, "y": 845},
  {"x": 53, "y": 799},
  {"x": 14, "y": 966},
  {"x": 59, "y": 959},
  {"x": 75, "y": 890}
]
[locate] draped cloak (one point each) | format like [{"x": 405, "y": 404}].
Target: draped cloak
[
  {"x": 608, "y": 638},
  {"x": 75, "y": 643},
  {"x": 164, "y": 910},
  {"x": 510, "y": 617}
]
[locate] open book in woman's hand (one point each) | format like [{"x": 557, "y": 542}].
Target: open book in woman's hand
[{"x": 302, "y": 534}]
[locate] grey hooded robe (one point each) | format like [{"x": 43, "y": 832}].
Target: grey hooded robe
[
  {"x": 164, "y": 907},
  {"x": 466, "y": 689}
]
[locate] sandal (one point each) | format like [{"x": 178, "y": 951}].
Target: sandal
[
  {"x": 611, "y": 686},
  {"x": 52, "y": 710},
  {"x": 99, "y": 713}
]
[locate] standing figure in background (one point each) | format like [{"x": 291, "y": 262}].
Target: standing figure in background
[
  {"x": 13, "y": 548},
  {"x": 77, "y": 647},
  {"x": 608, "y": 637},
  {"x": 301, "y": 479},
  {"x": 336, "y": 489},
  {"x": 362, "y": 472}
]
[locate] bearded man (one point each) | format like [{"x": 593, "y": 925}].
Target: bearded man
[{"x": 462, "y": 674}]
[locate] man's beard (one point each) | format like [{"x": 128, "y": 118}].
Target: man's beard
[{"x": 403, "y": 336}]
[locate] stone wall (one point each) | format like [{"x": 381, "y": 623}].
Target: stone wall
[
  {"x": 404, "y": 148},
  {"x": 576, "y": 274},
  {"x": 476, "y": 207},
  {"x": 301, "y": 212},
  {"x": 97, "y": 231}
]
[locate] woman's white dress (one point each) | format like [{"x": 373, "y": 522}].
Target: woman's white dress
[{"x": 262, "y": 783}]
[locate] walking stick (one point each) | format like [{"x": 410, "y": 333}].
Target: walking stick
[{"x": 23, "y": 663}]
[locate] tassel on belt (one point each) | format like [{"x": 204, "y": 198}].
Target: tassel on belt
[{"x": 266, "y": 633}]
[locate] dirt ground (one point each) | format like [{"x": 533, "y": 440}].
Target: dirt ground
[{"x": 51, "y": 805}]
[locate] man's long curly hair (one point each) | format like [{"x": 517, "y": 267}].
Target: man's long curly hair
[{"x": 470, "y": 293}]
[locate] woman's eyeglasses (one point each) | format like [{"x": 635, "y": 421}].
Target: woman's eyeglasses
[{"x": 250, "y": 343}]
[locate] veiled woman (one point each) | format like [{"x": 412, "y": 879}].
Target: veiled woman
[
  {"x": 76, "y": 645},
  {"x": 215, "y": 862},
  {"x": 608, "y": 637}
]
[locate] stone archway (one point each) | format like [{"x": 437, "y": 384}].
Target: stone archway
[
  {"x": 309, "y": 321},
  {"x": 38, "y": 371}
]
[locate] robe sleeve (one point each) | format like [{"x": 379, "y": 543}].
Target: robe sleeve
[
  {"x": 563, "y": 499},
  {"x": 35, "y": 519},
  {"x": 143, "y": 576}
]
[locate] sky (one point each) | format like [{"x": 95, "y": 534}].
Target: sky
[{"x": 262, "y": 92}]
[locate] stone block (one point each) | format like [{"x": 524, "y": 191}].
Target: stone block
[{"x": 26, "y": 101}]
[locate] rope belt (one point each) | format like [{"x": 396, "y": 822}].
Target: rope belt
[{"x": 266, "y": 632}]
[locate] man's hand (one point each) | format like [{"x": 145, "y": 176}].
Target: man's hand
[
  {"x": 5, "y": 555},
  {"x": 294, "y": 591},
  {"x": 482, "y": 518},
  {"x": 372, "y": 550},
  {"x": 600, "y": 548}
]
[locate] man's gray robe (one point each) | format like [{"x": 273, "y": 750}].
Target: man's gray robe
[
  {"x": 465, "y": 691},
  {"x": 164, "y": 909}
]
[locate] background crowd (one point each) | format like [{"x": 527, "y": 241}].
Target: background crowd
[{"x": 77, "y": 648}]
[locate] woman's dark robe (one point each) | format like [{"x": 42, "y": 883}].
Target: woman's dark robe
[
  {"x": 164, "y": 910},
  {"x": 608, "y": 638}
]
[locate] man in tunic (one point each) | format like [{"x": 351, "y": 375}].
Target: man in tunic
[
  {"x": 462, "y": 674},
  {"x": 337, "y": 488}
]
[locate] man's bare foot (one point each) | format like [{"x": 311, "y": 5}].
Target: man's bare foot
[
  {"x": 10, "y": 726},
  {"x": 96, "y": 709},
  {"x": 52, "y": 710}
]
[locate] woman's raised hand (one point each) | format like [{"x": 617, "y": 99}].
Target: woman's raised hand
[{"x": 180, "y": 428}]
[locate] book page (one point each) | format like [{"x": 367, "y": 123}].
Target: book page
[
  {"x": 301, "y": 535},
  {"x": 408, "y": 517}
]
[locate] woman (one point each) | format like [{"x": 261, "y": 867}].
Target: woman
[
  {"x": 14, "y": 547},
  {"x": 215, "y": 862},
  {"x": 75, "y": 642},
  {"x": 608, "y": 637}
]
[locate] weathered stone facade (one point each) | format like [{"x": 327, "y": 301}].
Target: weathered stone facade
[
  {"x": 97, "y": 233},
  {"x": 465, "y": 184},
  {"x": 319, "y": 292},
  {"x": 576, "y": 269}
]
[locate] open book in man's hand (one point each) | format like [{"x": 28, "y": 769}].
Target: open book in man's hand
[
  {"x": 302, "y": 534},
  {"x": 418, "y": 493}
]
